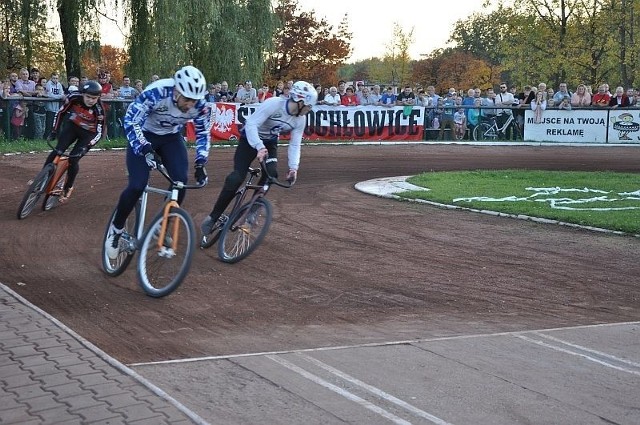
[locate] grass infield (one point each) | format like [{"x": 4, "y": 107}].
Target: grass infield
[{"x": 606, "y": 200}]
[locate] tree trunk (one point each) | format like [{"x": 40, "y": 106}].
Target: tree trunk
[{"x": 68, "y": 12}]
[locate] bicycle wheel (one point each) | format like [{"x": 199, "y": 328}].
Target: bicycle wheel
[
  {"x": 206, "y": 241},
  {"x": 52, "y": 198},
  {"x": 127, "y": 244},
  {"x": 161, "y": 270},
  {"x": 35, "y": 190},
  {"x": 484, "y": 131},
  {"x": 245, "y": 230}
]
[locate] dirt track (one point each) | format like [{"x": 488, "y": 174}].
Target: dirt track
[{"x": 338, "y": 267}]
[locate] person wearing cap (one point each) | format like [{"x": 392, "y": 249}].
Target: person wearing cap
[
  {"x": 34, "y": 74},
  {"x": 247, "y": 94},
  {"x": 153, "y": 126}
]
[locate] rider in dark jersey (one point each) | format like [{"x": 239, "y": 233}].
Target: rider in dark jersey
[{"x": 80, "y": 119}]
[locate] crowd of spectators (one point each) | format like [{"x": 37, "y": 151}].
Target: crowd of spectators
[{"x": 454, "y": 110}]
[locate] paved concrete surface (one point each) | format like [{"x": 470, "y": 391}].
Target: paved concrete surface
[{"x": 51, "y": 375}]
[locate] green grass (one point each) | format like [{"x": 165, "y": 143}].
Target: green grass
[
  {"x": 618, "y": 208},
  {"x": 28, "y": 145}
]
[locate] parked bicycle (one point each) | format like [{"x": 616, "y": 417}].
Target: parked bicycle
[
  {"x": 166, "y": 245},
  {"x": 491, "y": 131},
  {"x": 243, "y": 228},
  {"x": 48, "y": 182}
]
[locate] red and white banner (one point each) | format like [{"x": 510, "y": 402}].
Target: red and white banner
[{"x": 330, "y": 122}]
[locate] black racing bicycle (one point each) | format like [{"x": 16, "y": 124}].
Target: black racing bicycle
[{"x": 243, "y": 227}]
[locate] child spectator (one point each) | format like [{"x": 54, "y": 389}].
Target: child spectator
[
  {"x": 20, "y": 112},
  {"x": 460, "y": 123}
]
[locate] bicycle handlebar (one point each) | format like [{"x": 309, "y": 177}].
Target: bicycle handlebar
[
  {"x": 67, "y": 155},
  {"x": 180, "y": 185},
  {"x": 274, "y": 180}
]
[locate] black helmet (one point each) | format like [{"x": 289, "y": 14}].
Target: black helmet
[{"x": 91, "y": 87}]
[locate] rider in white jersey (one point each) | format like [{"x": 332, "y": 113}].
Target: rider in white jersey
[
  {"x": 153, "y": 126},
  {"x": 259, "y": 138}
]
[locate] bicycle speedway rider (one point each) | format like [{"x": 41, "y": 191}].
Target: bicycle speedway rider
[
  {"x": 80, "y": 119},
  {"x": 259, "y": 138},
  {"x": 153, "y": 125}
]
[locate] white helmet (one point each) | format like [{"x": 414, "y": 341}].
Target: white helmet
[
  {"x": 304, "y": 91},
  {"x": 190, "y": 82}
]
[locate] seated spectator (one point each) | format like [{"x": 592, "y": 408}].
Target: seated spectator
[
  {"x": 320, "y": 92},
  {"x": 559, "y": 96},
  {"x": 72, "y": 82},
  {"x": 350, "y": 98},
  {"x": 375, "y": 93},
  {"x": 388, "y": 98},
  {"x": 619, "y": 99},
  {"x": 601, "y": 98},
  {"x": 631, "y": 94},
  {"x": 581, "y": 97},
  {"x": 333, "y": 98}
]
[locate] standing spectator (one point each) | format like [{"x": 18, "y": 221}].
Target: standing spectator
[
  {"x": 388, "y": 98},
  {"x": 107, "y": 87},
  {"x": 473, "y": 114},
  {"x": 565, "y": 103},
  {"x": 212, "y": 94},
  {"x": 246, "y": 94},
  {"x": 406, "y": 97},
  {"x": 460, "y": 122},
  {"x": 264, "y": 93},
  {"x": 54, "y": 90},
  {"x": 581, "y": 97},
  {"x": 18, "y": 116},
  {"x": 563, "y": 91},
  {"x": 490, "y": 101},
  {"x": 358, "y": 92},
  {"x": 468, "y": 101},
  {"x": 320, "y": 92},
  {"x": 13, "y": 79},
  {"x": 39, "y": 112},
  {"x": 504, "y": 98},
  {"x": 138, "y": 85},
  {"x": 24, "y": 85},
  {"x": 126, "y": 90},
  {"x": 225, "y": 94},
  {"x": 279, "y": 89},
  {"x": 631, "y": 94},
  {"x": 333, "y": 98},
  {"x": 34, "y": 75},
  {"x": 349, "y": 99},
  {"x": 538, "y": 105},
  {"x": 532, "y": 95},
  {"x": 601, "y": 98},
  {"x": 72, "y": 82},
  {"x": 449, "y": 108},
  {"x": 431, "y": 94},
  {"x": 342, "y": 87},
  {"x": 550, "y": 94},
  {"x": 375, "y": 93},
  {"x": 620, "y": 99},
  {"x": 367, "y": 98}
]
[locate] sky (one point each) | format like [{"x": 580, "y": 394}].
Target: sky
[{"x": 372, "y": 27}]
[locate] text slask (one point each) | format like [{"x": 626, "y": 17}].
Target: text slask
[{"x": 584, "y": 126}]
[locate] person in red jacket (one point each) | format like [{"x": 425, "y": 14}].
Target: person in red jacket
[{"x": 620, "y": 99}]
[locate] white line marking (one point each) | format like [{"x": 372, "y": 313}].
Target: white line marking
[
  {"x": 374, "y": 344},
  {"x": 589, "y": 350},
  {"x": 346, "y": 394},
  {"x": 377, "y": 391},
  {"x": 574, "y": 353}
]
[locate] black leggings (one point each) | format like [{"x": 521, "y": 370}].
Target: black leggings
[
  {"x": 242, "y": 160},
  {"x": 69, "y": 134}
]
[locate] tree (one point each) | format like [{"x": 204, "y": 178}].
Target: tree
[
  {"x": 111, "y": 59},
  {"x": 78, "y": 21},
  {"x": 305, "y": 47}
]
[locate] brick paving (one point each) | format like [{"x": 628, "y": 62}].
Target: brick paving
[{"x": 51, "y": 375}]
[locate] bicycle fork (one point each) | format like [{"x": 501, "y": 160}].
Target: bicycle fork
[{"x": 163, "y": 249}]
